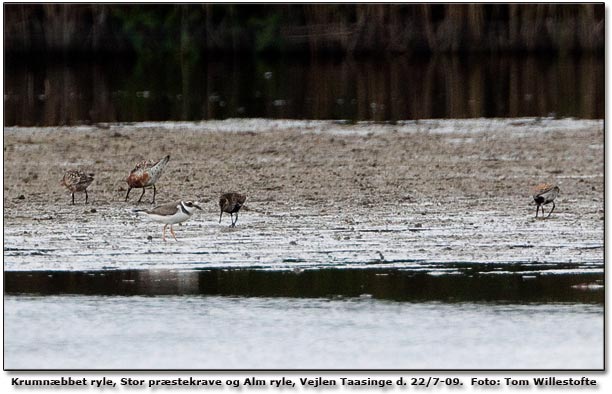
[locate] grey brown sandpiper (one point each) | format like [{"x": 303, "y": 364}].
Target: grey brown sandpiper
[
  {"x": 544, "y": 194},
  {"x": 77, "y": 181}
]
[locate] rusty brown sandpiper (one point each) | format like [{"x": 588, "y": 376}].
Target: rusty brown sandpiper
[{"x": 144, "y": 175}]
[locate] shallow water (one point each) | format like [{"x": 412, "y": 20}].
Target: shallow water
[
  {"x": 337, "y": 197},
  {"x": 73, "y": 239},
  {"x": 366, "y": 265},
  {"x": 206, "y": 332},
  {"x": 478, "y": 318}
]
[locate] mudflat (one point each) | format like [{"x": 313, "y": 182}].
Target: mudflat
[{"x": 413, "y": 195}]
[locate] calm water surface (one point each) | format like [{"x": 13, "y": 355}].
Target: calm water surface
[
  {"x": 473, "y": 318},
  {"x": 66, "y": 92},
  {"x": 184, "y": 332},
  {"x": 331, "y": 319}
]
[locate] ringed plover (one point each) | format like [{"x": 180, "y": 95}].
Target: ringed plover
[{"x": 170, "y": 214}]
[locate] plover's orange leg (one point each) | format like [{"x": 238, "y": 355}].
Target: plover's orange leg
[
  {"x": 172, "y": 232},
  {"x": 164, "y": 232}
]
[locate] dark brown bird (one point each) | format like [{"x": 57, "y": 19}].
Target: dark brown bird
[
  {"x": 231, "y": 203},
  {"x": 543, "y": 194},
  {"x": 144, "y": 175},
  {"x": 77, "y": 181}
]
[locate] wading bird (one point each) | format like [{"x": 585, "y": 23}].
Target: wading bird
[
  {"x": 170, "y": 214},
  {"x": 231, "y": 203},
  {"x": 77, "y": 181},
  {"x": 144, "y": 175},
  {"x": 543, "y": 194}
]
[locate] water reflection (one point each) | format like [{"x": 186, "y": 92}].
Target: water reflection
[
  {"x": 57, "y": 93},
  {"x": 473, "y": 285}
]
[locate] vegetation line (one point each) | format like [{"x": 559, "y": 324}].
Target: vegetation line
[{"x": 337, "y": 29}]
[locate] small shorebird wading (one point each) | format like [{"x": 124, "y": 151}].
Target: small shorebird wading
[
  {"x": 231, "y": 203},
  {"x": 77, "y": 181},
  {"x": 543, "y": 194},
  {"x": 170, "y": 214},
  {"x": 144, "y": 175}
]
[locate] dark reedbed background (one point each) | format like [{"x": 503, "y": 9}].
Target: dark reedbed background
[{"x": 79, "y": 64}]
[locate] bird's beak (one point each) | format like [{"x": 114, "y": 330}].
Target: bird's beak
[{"x": 197, "y": 206}]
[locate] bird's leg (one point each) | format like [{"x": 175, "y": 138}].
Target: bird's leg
[
  {"x": 128, "y": 193},
  {"x": 553, "y": 208},
  {"x": 86, "y": 196},
  {"x": 232, "y": 218},
  {"x": 537, "y": 210},
  {"x": 172, "y": 232},
  {"x": 143, "y": 191},
  {"x": 72, "y": 198},
  {"x": 220, "y": 216},
  {"x": 236, "y": 221},
  {"x": 164, "y": 233},
  {"x": 153, "y": 202}
]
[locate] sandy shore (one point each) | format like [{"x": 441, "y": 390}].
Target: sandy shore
[{"x": 319, "y": 194}]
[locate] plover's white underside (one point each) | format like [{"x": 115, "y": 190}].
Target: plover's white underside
[{"x": 171, "y": 214}]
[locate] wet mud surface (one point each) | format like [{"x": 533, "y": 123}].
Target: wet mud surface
[{"x": 426, "y": 196}]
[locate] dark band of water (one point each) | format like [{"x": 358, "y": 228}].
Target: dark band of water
[
  {"x": 331, "y": 283},
  {"x": 51, "y": 92}
]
